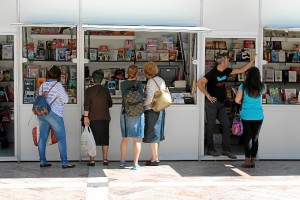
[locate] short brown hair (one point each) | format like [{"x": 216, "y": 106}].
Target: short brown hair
[
  {"x": 132, "y": 71},
  {"x": 54, "y": 73},
  {"x": 150, "y": 68}
]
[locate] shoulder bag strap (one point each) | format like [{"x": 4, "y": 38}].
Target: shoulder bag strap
[
  {"x": 49, "y": 91},
  {"x": 156, "y": 83}
]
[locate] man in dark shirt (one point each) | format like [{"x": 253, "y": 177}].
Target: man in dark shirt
[{"x": 215, "y": 94}]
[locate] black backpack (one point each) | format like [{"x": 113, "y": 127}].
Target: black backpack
[
  {"x": 40, "y": 104},
  {"x": 133, "y": 101}
]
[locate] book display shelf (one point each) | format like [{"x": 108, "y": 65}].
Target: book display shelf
[
  {"x": 6, "y": 95},
  {"x": 282, "y": 73},
  {"x": 42, "y": 48},
  {"x": 115, "y": 51}
]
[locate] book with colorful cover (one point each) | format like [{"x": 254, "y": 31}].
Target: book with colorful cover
[
  {"x": 274, "y": 56},
  {"x": 58, "y": 43},
  {"x": 72, "y": 84},
  {"x": 173, "y": 55},
  {"x": 61, "y": 54},
  {"x": 2, "y": 95},
  {"x": 103, "y": 55},
  {"x": 249, "y": 44},
  {"x": 275, "y": 95},
  {"x": 28, "y": 51},
  {"x": 127, "y": 56},
  {"x": 140, "y": 56},
  {"x": 129, "y": 44},
  {"x": 33, "y": 71},
  {"x": 74, "y": 54},
  {"x": 72, "y": 44},
  {"x": 103, "y": 48},
  {"x": 121, "y": 54}
]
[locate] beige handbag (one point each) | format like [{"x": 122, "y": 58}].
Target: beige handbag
[{"x": 161, "y": 99}]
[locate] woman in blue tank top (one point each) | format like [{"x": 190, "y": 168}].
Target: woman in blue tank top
[{"x": 250, "y": 96}]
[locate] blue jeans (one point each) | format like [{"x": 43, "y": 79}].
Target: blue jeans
[{"x": 57, "y": 124}]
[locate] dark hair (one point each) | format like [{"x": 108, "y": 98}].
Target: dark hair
[
  {"x": 98, "y": 76},
  {"x": 54, "y": 73},
  {"x": 253, "y": 85}
]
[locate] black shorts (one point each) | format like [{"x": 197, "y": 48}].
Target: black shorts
[{"x": 100, "y": 129}]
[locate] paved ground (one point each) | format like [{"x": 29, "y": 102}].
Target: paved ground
[{"x": 172, "y": 180}]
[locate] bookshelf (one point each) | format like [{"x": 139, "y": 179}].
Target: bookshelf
[
  {"x": 281, "y": 73},
  {"x": 44, "y": 47},
  {"x": 7, "y": 92}
]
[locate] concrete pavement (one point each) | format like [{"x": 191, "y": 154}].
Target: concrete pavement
[{"x": 171, "y": 180}]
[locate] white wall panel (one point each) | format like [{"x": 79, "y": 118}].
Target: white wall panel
[
  {"x": 136, "y": 12},
  {"x": 231, "y": 15},
  {"x": 278, "y": 13},
  {"x": 8, "y": 14},
  {"x": 54, "y": 11}
]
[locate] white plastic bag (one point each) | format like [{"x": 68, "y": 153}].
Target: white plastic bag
[{"x": 88, "y": 144}]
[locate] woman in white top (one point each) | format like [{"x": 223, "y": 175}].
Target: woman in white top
[
  {"x": 154, "y": 121},
  {"x": 54, "y": 119}
]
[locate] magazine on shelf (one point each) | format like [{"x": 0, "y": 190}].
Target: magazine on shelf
[
  {"x": 278, "y": 76},
  {"x": 93, "y": 54},
  {"x": 113, "y": 54},
  {"x": 7, "y": 51},
  {"x": 61, "y": 54},
  {"x": 29, "y": 87},
  {"x": 104, "y": 55},
  {"x": 140, "y": 56}
]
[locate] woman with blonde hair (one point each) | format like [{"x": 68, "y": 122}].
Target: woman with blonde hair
[
  {"x": 131, "y": 126},
  {"x": 154, "y": 121}
]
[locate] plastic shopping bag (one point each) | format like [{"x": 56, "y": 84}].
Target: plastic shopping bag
[{"x": 88, "y": 144}]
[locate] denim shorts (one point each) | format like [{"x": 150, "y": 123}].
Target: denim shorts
[
  {"x": 134, "y": 126},
  {"x": 154, "y": 126}
]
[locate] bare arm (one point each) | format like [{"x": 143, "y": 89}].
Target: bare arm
[
  {"x": 239, "y": 96},
  {"x": 201, "y": 85},
  {"x": 86, "y": 118},
  {"x": 245, "y": 67}
]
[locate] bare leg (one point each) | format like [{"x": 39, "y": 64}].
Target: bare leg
[
  {"x": 92, "y": 158},
  {"x": 136, "y": 150},
  {"x": 104, "y": 152},
  {"x": 123, "y": 148},
  {"x": 154, "y": 151}
]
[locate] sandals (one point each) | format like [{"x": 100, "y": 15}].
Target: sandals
[
  {"x": 91, "y": 163},
  {"x": 105, "y": 162},
  {"x": 152, "y": 163}
]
